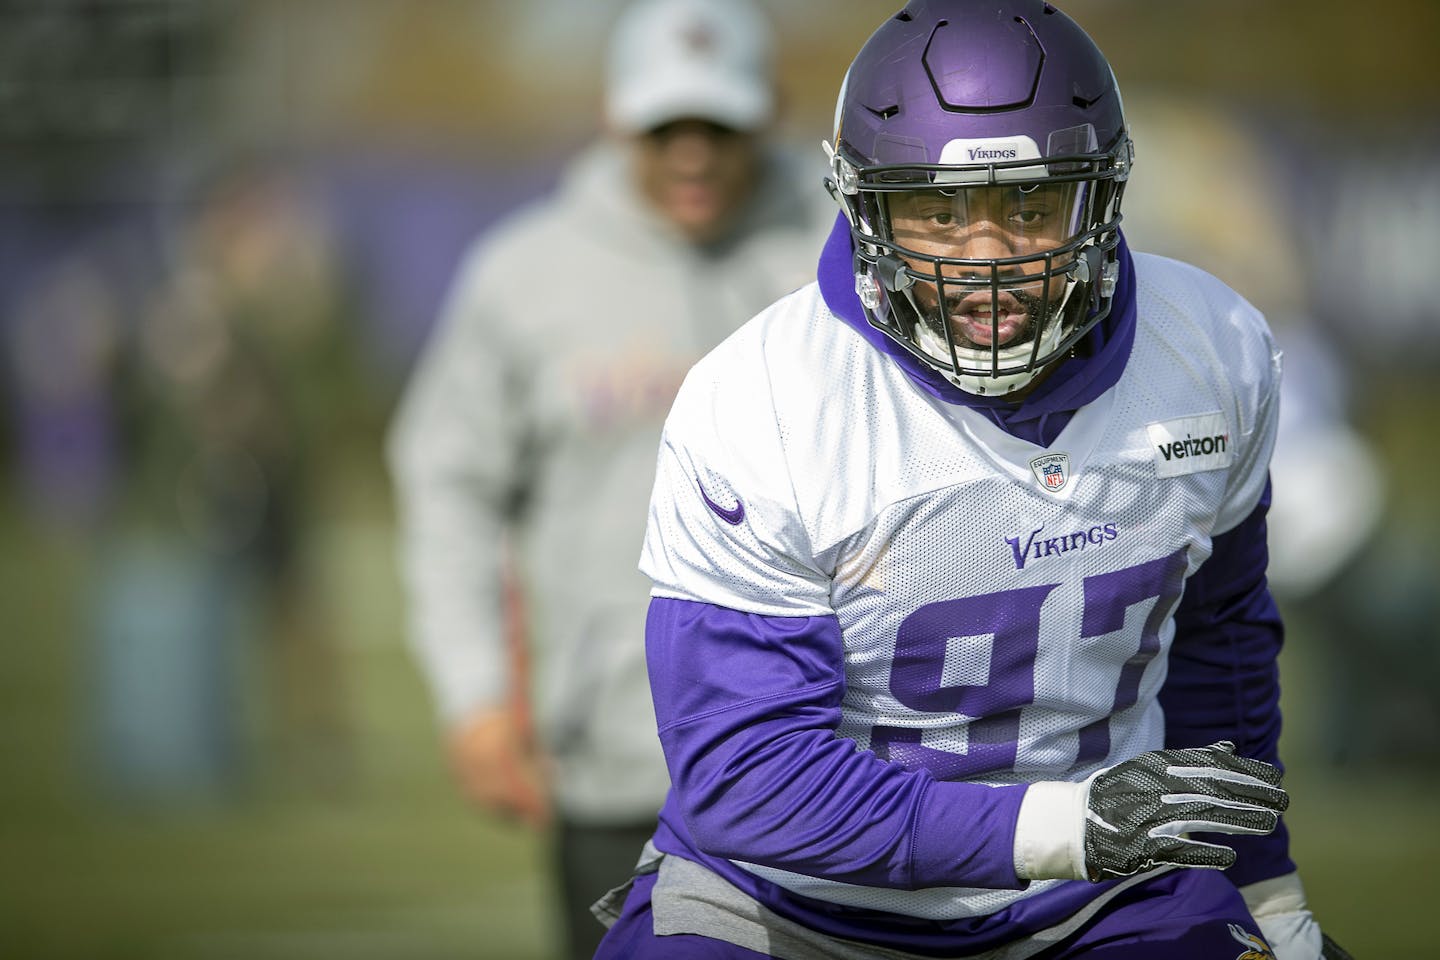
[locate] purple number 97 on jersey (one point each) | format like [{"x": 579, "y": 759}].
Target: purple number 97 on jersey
[{"x": 976, "y": 656}]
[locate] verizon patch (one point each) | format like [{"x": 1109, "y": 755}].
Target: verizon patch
[{"x": 1191, "y": 445}]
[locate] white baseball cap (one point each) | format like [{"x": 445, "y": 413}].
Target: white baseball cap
[{"x": 673, "y": 59}]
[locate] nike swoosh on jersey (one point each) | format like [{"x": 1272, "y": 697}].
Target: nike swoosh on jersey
[{"x": 732, "y": 516}]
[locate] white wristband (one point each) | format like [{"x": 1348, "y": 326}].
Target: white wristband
[{"x": 1050, "y": 831}]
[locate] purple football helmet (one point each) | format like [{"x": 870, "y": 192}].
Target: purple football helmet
[{"x": 980, "y": 155}]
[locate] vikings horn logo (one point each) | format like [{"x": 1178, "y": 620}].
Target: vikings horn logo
[{"x": 1255, "y": 948}]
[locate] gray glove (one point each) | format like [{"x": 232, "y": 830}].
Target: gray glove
[{"x": 1139, "y": 809}]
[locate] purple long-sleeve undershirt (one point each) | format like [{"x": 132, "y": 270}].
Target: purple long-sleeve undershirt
[
  {"x": 1224, "y": 680},
  {"x": 747, "y": 707}
]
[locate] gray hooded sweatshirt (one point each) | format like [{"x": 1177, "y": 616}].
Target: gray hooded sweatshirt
[{"x": 533, "y": 420}]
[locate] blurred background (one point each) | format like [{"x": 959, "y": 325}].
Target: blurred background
[{"x": 225, "y": 228}]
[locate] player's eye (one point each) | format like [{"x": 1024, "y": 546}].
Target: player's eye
[
  {"x": 930, "y": 212},
  {"x": 1033, "y": 216}
]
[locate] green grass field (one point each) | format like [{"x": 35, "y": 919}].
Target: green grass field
[{"x": 382, "y": 860}]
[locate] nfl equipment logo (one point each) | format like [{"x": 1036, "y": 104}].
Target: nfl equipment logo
[{"x": 1052, "y": 470}]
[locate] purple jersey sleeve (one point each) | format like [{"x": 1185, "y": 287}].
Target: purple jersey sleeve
[
  {"x": 1224, "y": 681},
  {"x": 748, "y": 706}
]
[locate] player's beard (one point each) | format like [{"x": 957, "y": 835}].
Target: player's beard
[{"x": 974, "y": 320}]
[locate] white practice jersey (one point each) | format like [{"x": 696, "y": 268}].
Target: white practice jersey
[{"x": 1006, "y": 609}]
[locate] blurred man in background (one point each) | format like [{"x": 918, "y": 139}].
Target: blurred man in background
[{"x": 524, "y": 449}]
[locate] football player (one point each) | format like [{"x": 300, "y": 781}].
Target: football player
[{"x": 960, "y": 640}]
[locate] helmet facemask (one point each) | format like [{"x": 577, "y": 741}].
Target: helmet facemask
[{"x": 989, "y": 273}]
